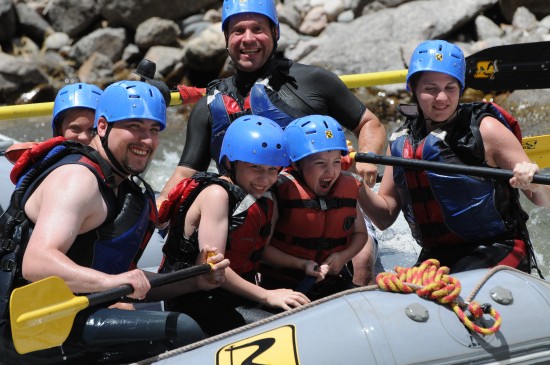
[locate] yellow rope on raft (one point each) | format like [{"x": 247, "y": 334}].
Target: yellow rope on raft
[{"x": 431, "y": 281}]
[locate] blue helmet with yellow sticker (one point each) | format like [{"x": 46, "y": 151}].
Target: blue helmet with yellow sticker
[
  {"x": 438, "y": 56},
  {"x": 314, "y": 133}
]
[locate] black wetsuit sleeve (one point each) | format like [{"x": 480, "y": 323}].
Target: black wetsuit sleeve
[
  {"x": 196, "y": 150},
  {"x": 325, "y": 93}
]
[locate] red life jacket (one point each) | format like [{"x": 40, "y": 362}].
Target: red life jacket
[
  {"x": 249, "y": 225},
  {"x": 312, "y": 227}
]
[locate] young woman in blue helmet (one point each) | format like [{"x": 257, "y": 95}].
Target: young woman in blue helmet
[
  {"x": 463, "y": 221},
  {"x": 235, "y": 213},
  {"x": 320, "y": 227},
  {"x": 77, "y": 214}
]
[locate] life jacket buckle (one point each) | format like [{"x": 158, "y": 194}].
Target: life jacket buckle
[
  {"x": 7, "y": 245},
  {"x": 323, "y": 204},
  {"x": 7, "y": 265}
]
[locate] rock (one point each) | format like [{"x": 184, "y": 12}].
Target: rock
[
  {"x": 166, "y": 58},
  {"x": 208, "y": 45},
  {"x": 8, "y": 21},
  {"x": 32, "y": 24},
  {"x": 109, "y": 41},
  {"x": 56, "y": 41},
  {"x": 314, "y": 22},
  {"x": 524, "y": 20},
  {"x": 72, "y": 17},
  {"x": 486, "y": 28},
  {"x": 18, "y": 75},
  {"x": 538, "y": 7},
  {"x": 131, "y": 13},
  {"x": 97, "y": 69},
  {"x": 157, "y": 32}
]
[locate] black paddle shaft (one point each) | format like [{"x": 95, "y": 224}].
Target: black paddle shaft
[
  {"x": 486, "y": 172},
  {"x": 159, "y": 280},
  {"x": 510, "y": 67}
]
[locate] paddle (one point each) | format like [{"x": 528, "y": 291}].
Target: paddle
[
  {"x": 538, "y": 149},
  {"x": 487, "y": 172},
  {"x": 42, "y": 313},
  {"x": 510, "y": 67}
]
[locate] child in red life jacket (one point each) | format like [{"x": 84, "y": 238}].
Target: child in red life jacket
[
  {"x": 233, "y": 213},
  {"x": 320, "y": 227}
]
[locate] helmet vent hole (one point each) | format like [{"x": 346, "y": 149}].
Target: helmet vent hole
[
  {"x": 264, "y": 145},
  {"x": 279, "y": 146}
]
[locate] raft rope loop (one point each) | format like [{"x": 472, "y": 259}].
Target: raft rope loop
[{"x": 431, "y": 281}]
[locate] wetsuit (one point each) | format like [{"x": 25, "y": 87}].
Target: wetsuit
[
  {"x": 99, "y": 335},
  {"x": 298, "y": 90},
  {"x": 463, "y": 221}
]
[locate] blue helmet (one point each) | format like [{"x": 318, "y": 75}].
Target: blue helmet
[
  {"x": 131, "y": 100},
  {"x": 79, "y": 95},
  {"x": 262, "y": 7},
  {"x": 255, "y": 139},
  {"x": 438, "y": 56},
  {"x": 314, "y": 133}
]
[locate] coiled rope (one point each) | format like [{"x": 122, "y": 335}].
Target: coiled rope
[{"x": 431, "y": 281}]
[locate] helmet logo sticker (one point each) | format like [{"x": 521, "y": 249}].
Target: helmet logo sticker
[
  {"x": 439, "y": 56},
  {"x": 328, "y": 134}
]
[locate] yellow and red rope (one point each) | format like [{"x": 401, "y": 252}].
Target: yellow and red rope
[{"x": 431, "y": 281}]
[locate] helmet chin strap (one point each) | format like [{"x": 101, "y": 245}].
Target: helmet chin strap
[{"x": 118, "y": 169}]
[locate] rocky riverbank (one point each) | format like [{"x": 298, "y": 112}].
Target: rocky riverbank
[{"x": 46, "y": 44}]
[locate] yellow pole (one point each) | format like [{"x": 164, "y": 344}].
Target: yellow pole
[{"x": 352, "y": 81}]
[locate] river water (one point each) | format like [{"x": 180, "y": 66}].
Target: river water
[{"x": 394, "y": 240}]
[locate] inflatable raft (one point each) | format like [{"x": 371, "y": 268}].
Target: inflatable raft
[{"x": 372, "y": 326}]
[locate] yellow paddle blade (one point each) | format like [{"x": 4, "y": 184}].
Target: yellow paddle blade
[
  {"x": 538, "y": 149},
  {"x": 42, "y": 314}
]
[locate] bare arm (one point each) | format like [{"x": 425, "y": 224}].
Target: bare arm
[
  {"x": 336, "y": 261},
  {"x": 213, "y": 229},
  {"x": 371, "y": 137},
  {"x": 383, "y": 207},
  {"x": 502, "y": 149},
  {"x": 68, "y": 203}
]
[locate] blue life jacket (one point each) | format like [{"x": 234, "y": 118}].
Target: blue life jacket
[
  {"x": 441, "y": 208},
  {"x": 113, "y": 248}
]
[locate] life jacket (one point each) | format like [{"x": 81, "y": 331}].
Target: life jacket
[
  {"x": 249, "y": 225},
  {"x": 225, "y": 106},
  {"x": 441, "y": 209},
  {"x": 114, "y": 247},
  {"x": 312, "y": 227}
]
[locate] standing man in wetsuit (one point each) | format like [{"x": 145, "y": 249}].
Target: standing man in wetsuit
[
  {"x": 275, "y": 88},
  {"x": 86, "y": 221}
]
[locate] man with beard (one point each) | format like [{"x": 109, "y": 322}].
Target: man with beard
[{"x": 85, "y": 220}]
